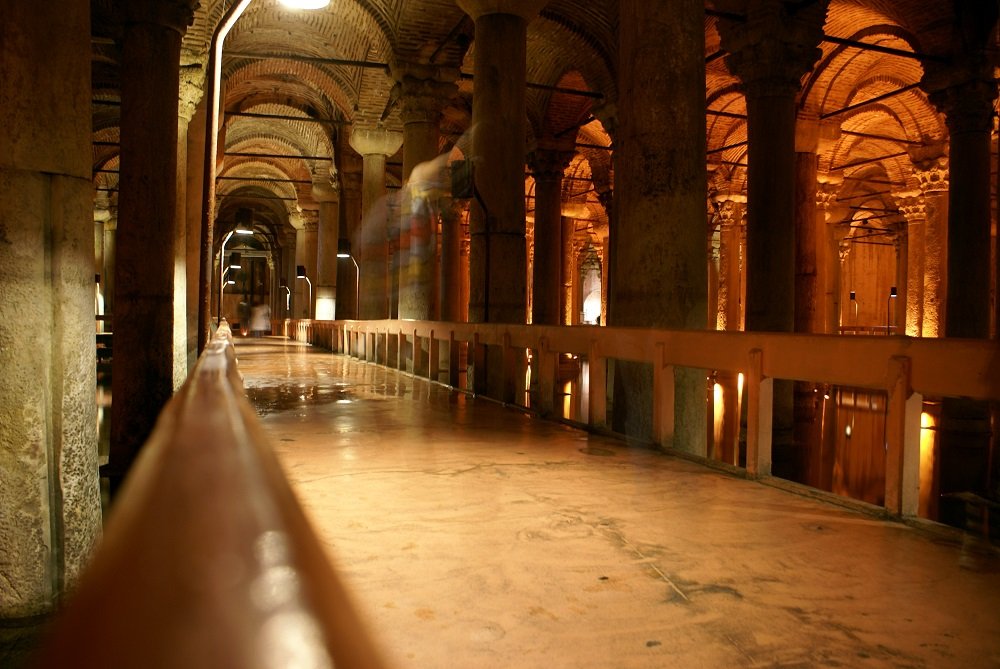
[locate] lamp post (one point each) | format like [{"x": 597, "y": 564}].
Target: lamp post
[
  {"x": 300, "y": 273},
  {"x": 344, "y": 251},
  {"x": 214, "y": 81}
]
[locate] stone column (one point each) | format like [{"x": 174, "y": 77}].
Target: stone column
[
  {"x": 911, "y": 206},
  {"x": 424, "y": 90},
  {"x": 374, "y": 145},
  {"x": 730, "y": 210},
  {"x": 192, "y": 108},
  {"x": 102, "y": 213},
  {"x": 808, "y": 306},
  {"x": 305, "y": 255},
  {"x": 450, "y": 282},
  {"x": 50, "y": 510},
  {"x": 660, "y": 225},
  {"x": 497, "y": 264},
  {"x": 108, "y": 271},
  {"x": 350, "y": 225},
  {"x": 932, "y": 179},
  {"x": 770, "y": 53},
  {"x": 968, "y": 109},
  {"x": 190, "y": 94},
  {"x": 326, "y": 191},
  {"x": 143, "y": 364},
  {"x": 547, "y": 166},
  {"x": 828, "y": 214},
  {"x": 289, "y": 298}
]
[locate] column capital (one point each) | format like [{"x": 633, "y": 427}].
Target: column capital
[
  {"x": 526, "y": 9},
  {"x": 548, "y": 164},
  {"x": 774, "y": 47},
  {"x": 310, "y": 220},
  {"x": 192, "y": 89},
  {"x": 422, "y": 99},
  {"x": 326, "y": 188},
  {"x": 174, "y": 14},
  {"x": 932, "y": 175},
  {"x": 729, "y": 210},
  {"x": 966, "y": 104},
  {"x": 376, "y": 141},
  {"x": 911, "y": 205}
]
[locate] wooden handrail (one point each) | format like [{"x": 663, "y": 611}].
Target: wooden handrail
[
  {"x": 207, "y": 559},
  {"x": 907, "y": 369}
]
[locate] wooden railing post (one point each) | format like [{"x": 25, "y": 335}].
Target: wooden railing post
[
  {"x": 453, "y": 360},
  {"x": 546, "y": 368},
  {"x": 597, "y": 401},
  {"x": 433, "y": 357},
  {"x": 760, "y": 406},
  {"x": 663, "y": 399},
  {"x": 902, "y": 436}
]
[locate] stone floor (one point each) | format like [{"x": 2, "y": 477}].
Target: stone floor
[{"x": 478, "y": 536}]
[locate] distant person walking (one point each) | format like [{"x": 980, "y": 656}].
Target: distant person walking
[{"x": 260, "y": 319}]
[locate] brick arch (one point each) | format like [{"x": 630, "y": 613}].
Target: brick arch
[{"x": 327, "y": 89}]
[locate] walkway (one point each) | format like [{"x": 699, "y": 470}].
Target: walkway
[{"x": 477, "y": 536}]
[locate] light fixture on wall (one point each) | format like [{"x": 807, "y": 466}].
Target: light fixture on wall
[
  {"x": 235, "y": 260},
  {"x": 244, "y": 226},
  {"x": 300, "y": 273},
  {"x": 344, "y": 251}
]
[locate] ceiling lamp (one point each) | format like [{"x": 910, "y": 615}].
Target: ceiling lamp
[{"x": 305, "y": 4}]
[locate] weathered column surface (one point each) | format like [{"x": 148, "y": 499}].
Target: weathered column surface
[
  {"x": 498, "y": 259},
  {"x": 660, "y": 196},
  {"x": 546, "y": 285},
  {"x": 932, "y": 179},
  {"x": 770, "y": 53},
  {"x": 326, "y": 191},
  {"x": 143, "y": 364},
  {"x": 193, "y": 108},
  {"x": 374, "y": 145},
  {"x": 424, "y": 91},
  {"x": 305, "y": 255},
  {"x": 350, "y": 223},
  {"x": 911, "y": 206},
  {"x": 50, "y": 512}
]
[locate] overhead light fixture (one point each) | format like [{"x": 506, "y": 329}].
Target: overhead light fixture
[
  {"x": 305, "y": 4},
  {"x": 244, "y": 222}
]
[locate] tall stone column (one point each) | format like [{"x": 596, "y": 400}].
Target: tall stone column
[
  {"x": 143, "y": 364},
  {"x": 497, "y": 265},
  {"x": 108, "y": 271},
  {"x": 730, "y": 210},
  {"x": 289, "y": 298},
  {"x": 450, "y": 282},
  {"x": 190, "y": 94},
  {"x": 350, "y": 225},
  {"x": 193, "y": 108},
  {"x": 50, "y": 510},
  {"x": 306, "y": 237},
  {"x": 932, "y": 179},
  {"x": 660, "y": 223},
  {"x": 770, "y": 53},
  {"x": 829, "y": 213},
  {"x": 374, "y": 145},
  {"x": 546, "y": 285},
  {"x": 326, "y": 191},
  {"x": 424, "y": 90},
  {"x": 101, "y": 214},
  {"x": 911, "y": 206}
]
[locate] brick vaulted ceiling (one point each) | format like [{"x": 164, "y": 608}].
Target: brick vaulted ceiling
[{"x": 330, "y": 68}]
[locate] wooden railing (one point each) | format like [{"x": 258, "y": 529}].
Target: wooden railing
[
  {"x": 907, "y": 369},
  {"x": 207, "y": 559}
]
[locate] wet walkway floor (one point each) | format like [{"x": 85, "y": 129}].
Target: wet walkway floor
[{"x": 477, "y": 536}]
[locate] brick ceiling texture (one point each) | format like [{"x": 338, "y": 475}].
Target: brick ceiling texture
[{"x": 330, "y": 68}]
